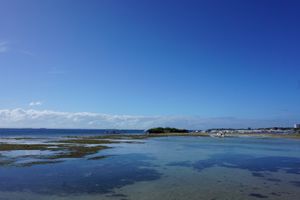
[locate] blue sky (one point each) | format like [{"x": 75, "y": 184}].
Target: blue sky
[{"x": 190, "y": 60}]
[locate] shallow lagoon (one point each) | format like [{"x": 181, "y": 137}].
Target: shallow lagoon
[{"x": 166, "y": 168}]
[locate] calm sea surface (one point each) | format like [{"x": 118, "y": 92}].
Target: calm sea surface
[
  {"x": 11, "y": 132},
  {"x": 166, "y": 168}
]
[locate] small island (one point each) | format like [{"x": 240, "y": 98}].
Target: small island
[{"x": 160, "y": 130}]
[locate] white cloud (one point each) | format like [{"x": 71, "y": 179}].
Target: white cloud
[
  {"x": 28, "y": 53},
  {"x": 3, "y": 47},
  {"x": 35, "y": 103},
  {"x": 6, "y": 46},
  {"x": 31, "y": 118}
]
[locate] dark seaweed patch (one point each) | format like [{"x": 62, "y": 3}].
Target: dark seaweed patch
[
  {"x": 98, "y": 157},
  {"x": 180, "y": 164},
  {"x": 258, "y": 195},
  {"x": 29, "y": 164},
  {"x": 113, "y": 194},
  {"x": 296, "y": 183},
  {"x": 258, "y": 174},
  {"x": 5, "y": 161},
  {"x": 275, "y": 194},
  {"x": 274, "y": 179}
]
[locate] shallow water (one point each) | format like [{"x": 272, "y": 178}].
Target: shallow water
[{"x": 167, "y": 168}]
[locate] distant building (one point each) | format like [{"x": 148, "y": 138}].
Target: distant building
[{"x": 297, "y": 126}]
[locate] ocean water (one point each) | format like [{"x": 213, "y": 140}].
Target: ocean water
[
  {"x": 166, "y": 168},
  {"x": 43, "y": 132}
]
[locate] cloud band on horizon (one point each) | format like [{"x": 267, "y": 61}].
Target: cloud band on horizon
[{"x": 31, "y": 118}]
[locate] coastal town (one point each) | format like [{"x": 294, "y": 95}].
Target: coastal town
[{"x": 222, "y": 132}]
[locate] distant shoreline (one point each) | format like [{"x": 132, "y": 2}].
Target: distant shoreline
[
  {"x": 136, "y": 133},
  {"x": 262, "y": 135}
]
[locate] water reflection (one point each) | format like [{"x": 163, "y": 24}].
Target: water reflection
[
  {"x": 93, "y": 176},
  {"x": 253, "y": 164},
  {"x": 185, "y": 168}
]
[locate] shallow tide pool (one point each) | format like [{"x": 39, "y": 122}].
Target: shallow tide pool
[{"x": 166, "y": 168}]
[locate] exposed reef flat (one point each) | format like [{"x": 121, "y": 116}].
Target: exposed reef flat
[
  {"x": 58, "y": 150},
  {"x": 50, "y": 151}
]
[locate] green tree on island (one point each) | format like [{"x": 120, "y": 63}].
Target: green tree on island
[{"x": 166, "y": 130}]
